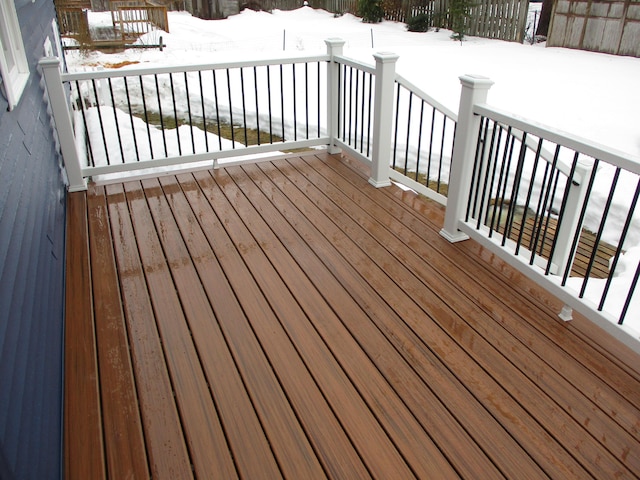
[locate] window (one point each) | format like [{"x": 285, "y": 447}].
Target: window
[{"x": 13, "y": 61}]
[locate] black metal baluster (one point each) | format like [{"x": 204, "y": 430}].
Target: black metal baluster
[
  {"x": 406, "y": 150},
  {"x": 563, "y": 206},
  {"x": 319, "y": 89},
  {"x": 306, "y": 98},
  {"x": 355, "y": 108},
  {"x": 546, "y": 206},
  {"x": 556, "y": 181},
  {"x": 146, "y": 115},
  {"x": 244, "y": 108},
  {"x": 115, "y": 118},
  {"x": 86, "y": 127},
  {"x": 295, "y": 110},
  {"x": 583, "y": 211},
  {"x": 362, "y": 104},
  {"x": 255, "y": 85},
  {"x": 369, "y": 113},
  {"x": 204, "y": 114},
  {"x": 420, "y": 144},
  {"x": 444, "y": 134},
  {"x": 99, "y": 110},
  {"x": 175, "y": 112},
  {"x": 539, "y": 217},
  {"x": 269, "y": 103},
  {"x": 343, "y": 72},
  {"x": 503, "y": 194},
  {"x": 476, "y": 167},
  {"x": 477, "y": 175},
  {"x": 623, "y": 237},
  {"x": 395, "y": 130},
  {"x": 215, "y": 99},
  {"x": 133, "y": 129},
  {"x": 233, "y": 136},
  {"x": 492, "y": 158},
  {"x": 433, "y": 119},
  {"x": 282, "y": 100},
  {"x": 164, "y": 138},
  {"x": 525, "y": 210},
  {"x": 350, "y": 102},
  {"x": 511, "y": 211},
  {"x": 603, "y": 220},
  {"x": 500, "y": 187},
  {"x": 186, "y": 86},
  {"x": 632, "y": 289}
]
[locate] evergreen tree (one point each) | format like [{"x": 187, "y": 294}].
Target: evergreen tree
[
  {"x": 459, "y": 14},
  {"x": 371, "y": 11}
]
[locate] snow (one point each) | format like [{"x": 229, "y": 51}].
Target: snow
[{"x": 591, "y": 95}]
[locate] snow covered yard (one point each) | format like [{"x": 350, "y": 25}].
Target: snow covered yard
[{"x": 590, "y": 95}]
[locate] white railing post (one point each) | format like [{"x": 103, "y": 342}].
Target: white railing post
[
  {"x": 334, "y": 49},
  {"x": 564, "y": 255},
  {"x": 474, "y": 91},
  {"x": 60, "y": 110},
  {"x": 382, "y": 118}
]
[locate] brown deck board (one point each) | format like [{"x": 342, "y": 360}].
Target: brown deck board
[
  {"x": 125, "y": 452},
  {"x": 534, "y": 366},
  {"x": 306, "y": 301},
  {"x": 84, "y": 448},
  {"x": 432, "y": 317},
  {"x": 167, "y": 451},
  {"x": 285, "y": 319}
]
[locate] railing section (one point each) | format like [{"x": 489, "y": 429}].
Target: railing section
[
  {"x": 396, "y": 125},
  {"x": 560, "y": 208},
  {"x": 136, "y": 119}
]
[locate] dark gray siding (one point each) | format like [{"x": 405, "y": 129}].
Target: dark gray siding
[{"x": 32, "y": 215}]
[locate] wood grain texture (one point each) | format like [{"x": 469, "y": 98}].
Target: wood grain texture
[
  {"x": 84, "y": 449},
  {"x": 288, "y": 320}
]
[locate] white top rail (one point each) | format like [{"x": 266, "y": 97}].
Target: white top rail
[
  {"x": 614, "y": 157},
  {"x": 133, "y": 72},
  {"x": 356, "y": 64},
  {"x": 426, "y": 97}
]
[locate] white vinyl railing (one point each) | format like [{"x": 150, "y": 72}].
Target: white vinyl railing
[
  {"x": 550, "y": 204},
  {"x": 523, "y": 190}
]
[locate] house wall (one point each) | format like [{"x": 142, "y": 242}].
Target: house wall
[
  {"x": 32, "y": 216},
  {"x": 609, "y": 26}
]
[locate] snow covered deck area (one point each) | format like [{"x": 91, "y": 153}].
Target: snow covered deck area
[{"x": 287, "y": 319}]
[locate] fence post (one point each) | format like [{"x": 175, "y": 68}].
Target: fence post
[
  {"x": 60, "y": 110},
  {"x": 334, "y": 49},
  {"x": 474, "y": 91},
  {"x": 382, "y": 118}
]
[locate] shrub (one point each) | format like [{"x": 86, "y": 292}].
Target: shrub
[
  {"x": 419, "y": 23},
  {"x": 370, "y": 10}
]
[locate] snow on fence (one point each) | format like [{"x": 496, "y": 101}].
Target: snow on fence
[{"x": 525, "y": 191}]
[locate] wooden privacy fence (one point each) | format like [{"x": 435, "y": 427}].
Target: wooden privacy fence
[
  {"x": 599, "y": 26},
  {"x": 499, "y": 19}
]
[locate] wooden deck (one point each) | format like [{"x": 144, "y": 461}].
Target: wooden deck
[{"x": 287, "y": 320}]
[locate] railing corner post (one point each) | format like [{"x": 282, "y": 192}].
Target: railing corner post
[
  {"x": 382, "y": 119},
  {"x": 474, "y": 92},
  {"x": 50, "y": 67},
  {"x": 334, "y": 49}
]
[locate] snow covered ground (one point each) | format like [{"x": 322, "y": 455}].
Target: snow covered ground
[{"x": 592, "y": 95}]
